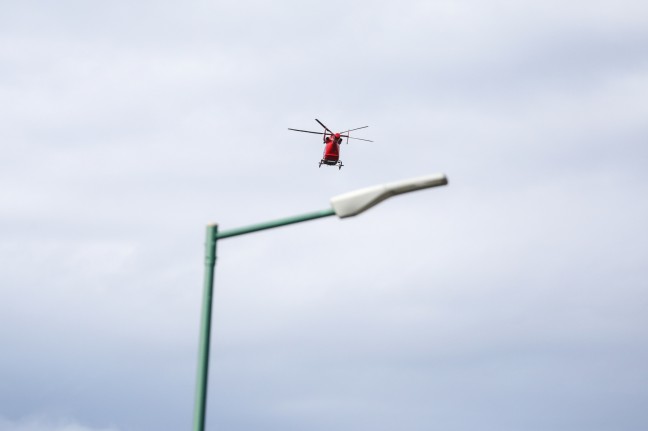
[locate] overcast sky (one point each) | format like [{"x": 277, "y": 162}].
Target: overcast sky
[{"x": 515, "y": 298}]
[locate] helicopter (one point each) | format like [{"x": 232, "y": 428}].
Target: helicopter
[{"x": 332, "y": 143}]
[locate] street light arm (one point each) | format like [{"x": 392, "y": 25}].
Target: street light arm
[
  {"x": 353, "y": 203},
  {"x": 274, "y": 223}
]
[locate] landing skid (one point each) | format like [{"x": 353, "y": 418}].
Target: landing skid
[{"x": 338, "y": 164}]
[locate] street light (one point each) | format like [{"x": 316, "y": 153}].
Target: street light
[{"x": 345, "y": 205}]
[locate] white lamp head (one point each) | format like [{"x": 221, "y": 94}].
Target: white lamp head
[{"x": 353, "y": 203}]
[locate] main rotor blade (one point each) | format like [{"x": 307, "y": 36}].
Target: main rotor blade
[
  {"x": 351, "y": 137},
  {"x": 322, "y": 124},
  {"x": 358, "y": 128},
  {"x": 306, "y": 131}
]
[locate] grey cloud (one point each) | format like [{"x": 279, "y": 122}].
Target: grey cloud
[{"x": 512, "y": 299}]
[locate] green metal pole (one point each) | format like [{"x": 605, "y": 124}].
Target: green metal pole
[
  {"x": 205, "y": 328},
  {"x": 211, "y": 237}
]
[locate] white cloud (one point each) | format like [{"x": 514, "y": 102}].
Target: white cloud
[
  {"x": 36, "y": 424},
  {"x": 128, "y": 127}
]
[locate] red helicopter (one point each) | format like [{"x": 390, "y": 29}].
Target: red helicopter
[{"x": 332, "y": 142}]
